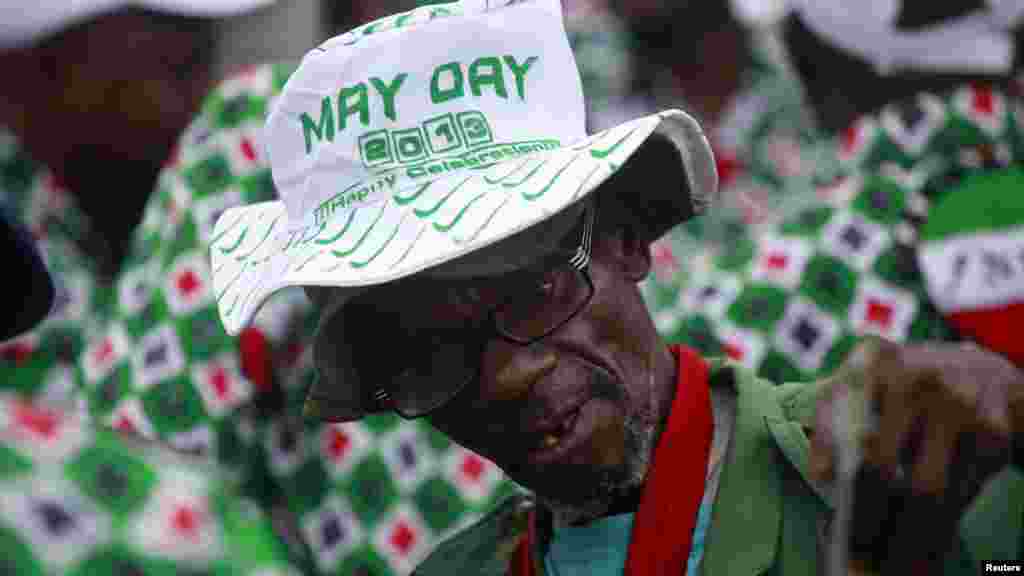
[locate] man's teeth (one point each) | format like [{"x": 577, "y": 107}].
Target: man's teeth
[{"x": 550, "y": 440}]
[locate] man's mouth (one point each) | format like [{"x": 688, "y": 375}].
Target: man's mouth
[
  {"x": 550, "y": 437},
  {"x": 555, "y": 444}
]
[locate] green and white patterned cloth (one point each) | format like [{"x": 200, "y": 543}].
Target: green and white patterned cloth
[
  {"x": 376, "y": 494},
  {"x": 767, "y": 149},
  {"x": 78, "y": 500},
  {"x": 41, "y": 363},
  {"x": 790, "y": 302}
]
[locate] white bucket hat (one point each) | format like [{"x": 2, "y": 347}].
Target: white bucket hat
[
  {"x": 418, "y": 139},
  {"x": 22, "y": 22}
]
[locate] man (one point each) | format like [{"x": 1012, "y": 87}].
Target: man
[
  {"x": 474, "y": 255},
  {"x": 915, "y": 237},
  {"x": 77, "y": 499},
  {"x": 883, "y": 251}
]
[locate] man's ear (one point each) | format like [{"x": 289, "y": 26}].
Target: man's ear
[{"x": 632, "y": 253}]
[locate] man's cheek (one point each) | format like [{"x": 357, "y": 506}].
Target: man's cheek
[{"x": 607, "y": 445}]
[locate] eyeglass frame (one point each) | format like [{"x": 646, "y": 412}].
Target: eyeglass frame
[{"x": 579, "y": 262}]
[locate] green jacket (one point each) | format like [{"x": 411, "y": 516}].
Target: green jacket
[{"x": 769, "y": 517}]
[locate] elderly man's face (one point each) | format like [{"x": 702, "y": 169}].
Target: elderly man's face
[{"x": 574, "y": 416}]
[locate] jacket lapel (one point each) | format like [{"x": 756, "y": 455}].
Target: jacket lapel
[{"x": 746, "y": 517}]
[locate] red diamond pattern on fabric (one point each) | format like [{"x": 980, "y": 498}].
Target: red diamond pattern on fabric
[
  {"x": 221, "y": 382},
  {"x": 38, "y": 421},
  {"x": 849, "y": 138},
  {"x": 856, "y": 139},
  {"x": 221, "y": 385},
  {"x": 472, "y": 475},
  {"x": 746, "y": 347},
  {"x": 189, "y": 286},
  {"x": 103, "y": 354},
  {"x": 473, "y": 467},
  {"x": 176, "y": 522},
  {"x": 729, "y": 167},
  {"x": 882, "y": 309},
  {"x": 188, "y": 283},
  {"x": 982, "y": 106},
  {"x": 47, "y": 435},
  {"x": 403, "y": 538},
  {"x": 664, "y": 260},
  {"x": 124, "y": 424},
  {"x": 337, "y": 443},
  {"x": 983, "y": 100},
  {"x": 343, "y": 446},
  {"x": 775, "y": 261},
  {"x": 248, "y": 150},
  {"x": 130, "y": 418},
  {"x": 781, "y": 260},
  {"x": 17, "y": 351},
  {"x": 186, "y": 521},
  {"x": 879, "y": 313},
  {"x": 733, "y": 351}
]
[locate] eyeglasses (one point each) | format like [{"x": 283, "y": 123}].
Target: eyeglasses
[{"x": 435, "y": 366}]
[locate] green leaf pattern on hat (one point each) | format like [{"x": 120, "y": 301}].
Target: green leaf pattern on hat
[{"x": 461, "y": 208}]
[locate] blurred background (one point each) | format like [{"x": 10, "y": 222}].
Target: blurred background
[
  {"x": 634, "y": 56},
  {"x": 106, "y": 157}
]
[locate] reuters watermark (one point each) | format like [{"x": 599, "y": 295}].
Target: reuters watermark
[{"x": 1003, "y": 567}]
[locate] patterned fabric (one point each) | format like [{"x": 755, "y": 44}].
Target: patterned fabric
[
  {"x": 600, "y": 42},
  {"x": 372, "y": 496},
  {"x": 766, "y": 148},
  {"x": 790, "y": 303},
  {"x": 40, "y": 363},
  {"x": 162, "y": 366},
  {"x": 79, "y": 500}
]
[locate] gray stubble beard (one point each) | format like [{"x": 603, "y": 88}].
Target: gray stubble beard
[{"x": 613, "y": 484}]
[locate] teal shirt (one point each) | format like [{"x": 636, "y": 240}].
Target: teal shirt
[
  {"x": 600, "y": 548},
  {"x": 597, "y": 549}
]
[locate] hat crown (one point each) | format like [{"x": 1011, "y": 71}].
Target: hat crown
[{"x": 419, "y": 96}]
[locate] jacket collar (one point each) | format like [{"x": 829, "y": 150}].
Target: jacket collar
[
  {"x": 745, "y": 529},
  {"x": 749, "y": 500}
]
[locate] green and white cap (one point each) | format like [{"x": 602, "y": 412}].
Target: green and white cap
[{"x": 420, "y": 138}]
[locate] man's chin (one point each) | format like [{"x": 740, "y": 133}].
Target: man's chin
[{"x": 575, "y": 486}]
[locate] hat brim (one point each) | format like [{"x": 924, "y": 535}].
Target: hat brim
[{"x": 255, "y": 252}]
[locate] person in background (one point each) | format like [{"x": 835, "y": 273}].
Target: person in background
[
  {"x": 725, "y": 65},
  {"x": 102, "y": 91},
  {"x": 915, "y": 233},
  {"x": 80, "y": 499},
  {"x": 360, "y": 498},
  {"x": 119, "y": 83}
]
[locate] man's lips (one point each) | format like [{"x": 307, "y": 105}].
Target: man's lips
[
  {"x": 541, "y": 433},
  {"x": 554, "y": 410},
  {"x": 578, "y": 426}
]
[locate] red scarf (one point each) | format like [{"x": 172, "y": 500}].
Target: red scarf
[{"x": 663, "y": 524}]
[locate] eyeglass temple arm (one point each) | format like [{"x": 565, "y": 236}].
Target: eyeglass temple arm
[{"x": 581, "y": 258}]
